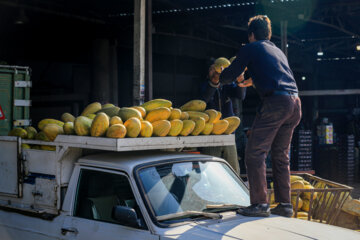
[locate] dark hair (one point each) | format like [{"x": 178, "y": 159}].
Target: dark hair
[{"x": 260, "y": 25}]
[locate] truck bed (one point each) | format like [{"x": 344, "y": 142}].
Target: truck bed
[{"x": 34, "y": 180}]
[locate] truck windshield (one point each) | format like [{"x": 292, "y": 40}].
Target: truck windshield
[{"x": 191, "y": 186}]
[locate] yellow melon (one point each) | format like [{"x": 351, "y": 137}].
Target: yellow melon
[
  {"x": 146, "y": 129},
  {"x": 176, "y": 127},
  {"x": 43, "y": 122},
  {"x": 221, "y": 63},
  {"x": 307, "y": 195},
  {"x": 194, "y": 105},
  {"x": 156, "y": 103},
  {"x": 141, "y": 110},
  {"x": 91, "y": 116},
  {"x": 161, "y": 113},
  {"x": 207, "y": 129},
  {"x": 306, "y": 205},
  {"x": 184, "y": 116},
  {"x": 99, "y": 125},
  {"x": 115, "y": 120},
  {"x": 31, "y": 132},
  {"x": 67, "y": 117},
  {"x": 82, "y": 126},
  {"x": 107, "y": 105},
  {"x": 69, "y": 128},
  {"x": 297, "y": 185},
  {"x": 175, "y": 114},
  {"x": 25, "y": 146},
  {"x": 234, "y": 123},
  {"x": 51, "y": 130},
  {"x": 116, "y": 131},
  {"x": 91, "y": 109},
  {"x": 188, "y": 127},
  {"x": 294, "y": 178},
  {"x": 199, "y": 126},
  {"x": 18, "y": 132},
  {"x": 161, "y": 128},
  {"x": 218, "y": 117},
  {"x": 127, "y": 113},
  {"x": 293, "y": 202},
  {"x": 195, "y": 115},
  {"x": 212, "y": 115},
  {"x": 133, "y": 127},
  {"x": 220, "y": 127}
]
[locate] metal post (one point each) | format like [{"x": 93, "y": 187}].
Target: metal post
[
  {"x": 284, "y": 42},
  {"x": 100, "y": 70},
  {"x": 139, "y": 52},
  {"x": 148, "y": 57}
]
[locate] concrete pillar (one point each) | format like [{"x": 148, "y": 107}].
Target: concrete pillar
[
  {"x": 114, "y": 79},
  {"x": 100, "y": 71},
  {"x": 139, "y": 52},
  {"x": 148, "y": 56}
]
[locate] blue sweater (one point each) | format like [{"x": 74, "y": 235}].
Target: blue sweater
[{"x": 267, "y": 66}]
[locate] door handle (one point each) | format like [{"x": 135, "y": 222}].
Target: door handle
[{"x": 70, "y": 230}]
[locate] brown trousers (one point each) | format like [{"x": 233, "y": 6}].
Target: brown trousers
[{"x": 272, "y": 130}]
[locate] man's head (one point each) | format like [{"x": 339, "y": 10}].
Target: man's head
[{"x": 259, "y": 28}]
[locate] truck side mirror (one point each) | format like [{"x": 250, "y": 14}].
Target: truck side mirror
[{"x": 125, "y": 215}]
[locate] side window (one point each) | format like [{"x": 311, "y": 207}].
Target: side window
[{"x": 99, "y": 192}]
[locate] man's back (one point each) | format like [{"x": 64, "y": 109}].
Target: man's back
[{"x": 267, "y": 66}]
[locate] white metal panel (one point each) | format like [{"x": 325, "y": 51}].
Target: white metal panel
[
  {"x": 39, "y": 161},
  {"x": 45, "y": 193},
  {"x": 9, "y": 166}
]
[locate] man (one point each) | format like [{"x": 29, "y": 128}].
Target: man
[
  {"x": 276, "y": 118},
  {"x": 218, "y": 97}
]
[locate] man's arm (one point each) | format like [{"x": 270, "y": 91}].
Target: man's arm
[
  {"x": 236, "y": 91},
  {"x": 236, "y": 68}
]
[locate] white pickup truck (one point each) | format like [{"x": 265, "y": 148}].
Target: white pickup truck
[{"x": 97, "y": 188}]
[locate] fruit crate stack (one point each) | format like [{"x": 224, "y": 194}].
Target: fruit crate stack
[
  {"x": 301, "y": 151},
  {"x": 346, "y": 159}
]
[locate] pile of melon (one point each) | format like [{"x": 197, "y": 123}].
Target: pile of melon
[
  {"x": 301, "y": 202},
  {"x": 155, "y": 118}
]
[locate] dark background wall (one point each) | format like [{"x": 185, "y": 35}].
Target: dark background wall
[{"x": 60, "y": 41}]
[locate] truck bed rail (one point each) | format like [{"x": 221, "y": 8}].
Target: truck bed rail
[{"x": 137, "y": 144}]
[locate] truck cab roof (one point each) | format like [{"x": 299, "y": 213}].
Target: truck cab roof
[{"x": 127, "y": 161}]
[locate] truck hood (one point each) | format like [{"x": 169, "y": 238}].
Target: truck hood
[{"x": 245, "y": 228}]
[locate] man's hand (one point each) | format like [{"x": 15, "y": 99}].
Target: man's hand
[
  {"x": 240, "y": 78},
  {"x": 247, "y": 83}
]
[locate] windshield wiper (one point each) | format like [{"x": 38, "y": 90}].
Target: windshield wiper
[
  {"x": 217, "y": 207},
  {"x": 185, "y": 214}
]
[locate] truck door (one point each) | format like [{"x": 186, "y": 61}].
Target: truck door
[{"x": 98, "y": 192}]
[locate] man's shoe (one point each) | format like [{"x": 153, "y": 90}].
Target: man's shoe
[
  {"x": 256, "y": 210},
  {"x": 283, "y": 209}
]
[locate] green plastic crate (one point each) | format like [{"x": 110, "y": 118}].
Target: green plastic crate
[{"x": 15, "y": 100}]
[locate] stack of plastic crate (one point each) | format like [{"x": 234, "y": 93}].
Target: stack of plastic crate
[
  {"x": 346, "y": 159},
  {"x": 301, "y": 151}
]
